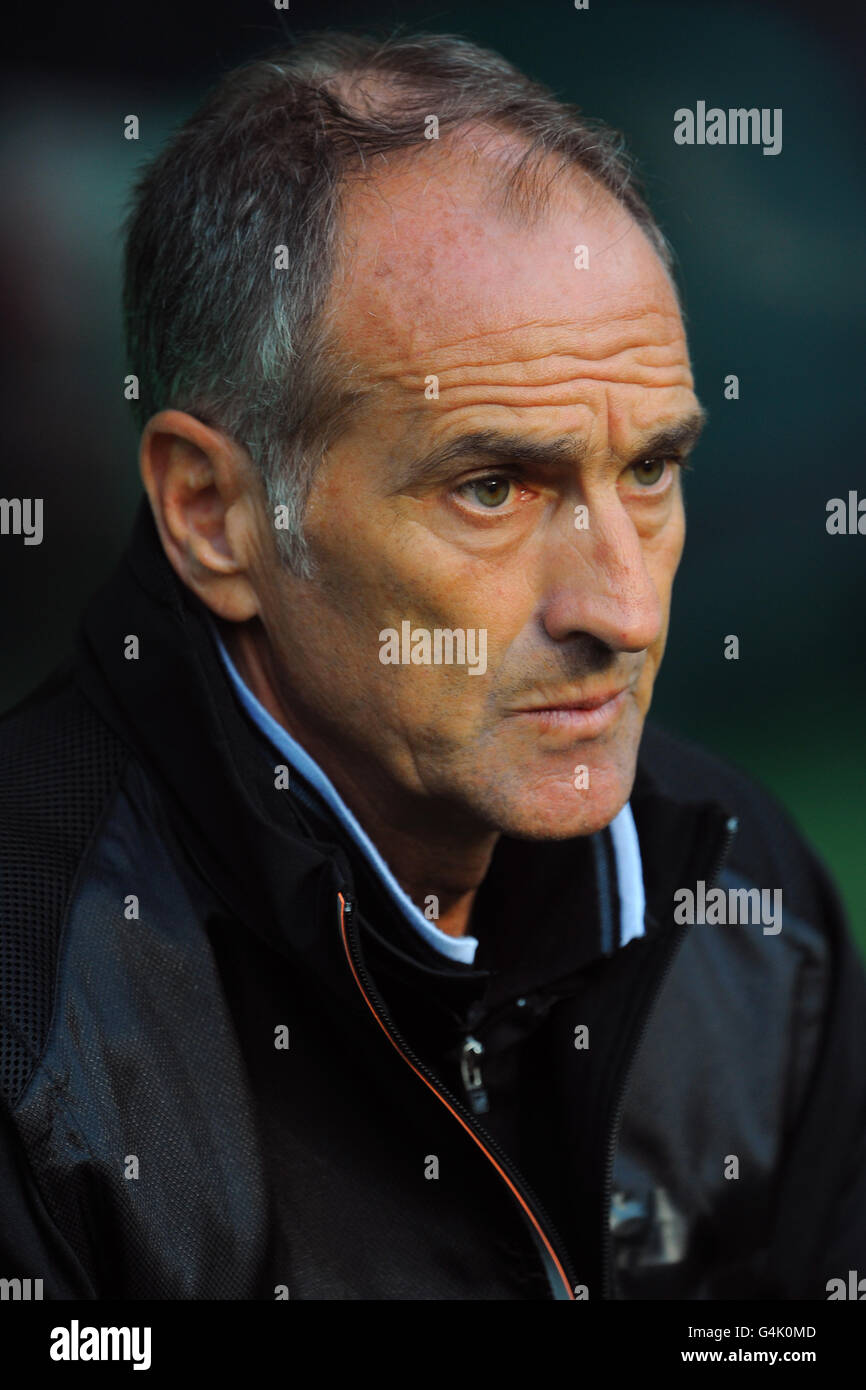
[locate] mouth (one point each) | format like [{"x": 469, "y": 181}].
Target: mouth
[{"x": 585, "y": 716}]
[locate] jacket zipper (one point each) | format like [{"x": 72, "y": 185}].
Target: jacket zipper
[
  {"x": 531, "y": 1206},
  {"x": 471, "y": 1054},
  {"x": 731, "y": 826},
  {"x": 470, "y": 1072}
]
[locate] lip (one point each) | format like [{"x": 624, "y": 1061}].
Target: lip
[{"x": 584, "y": 717}]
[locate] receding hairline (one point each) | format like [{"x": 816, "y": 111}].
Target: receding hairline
[
  {"x": 513, "y": 171},
  {"x": 524, "y": 180}
]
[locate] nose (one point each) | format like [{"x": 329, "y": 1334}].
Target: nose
[{"x": 598, "y": 583}]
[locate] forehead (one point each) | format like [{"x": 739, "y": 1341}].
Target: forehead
[{"x": 432, "y": 275}]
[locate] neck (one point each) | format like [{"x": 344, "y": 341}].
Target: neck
[{"x": 431, "y": 856}]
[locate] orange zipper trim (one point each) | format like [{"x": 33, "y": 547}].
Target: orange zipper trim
[{"x": 505, "y": 1178}]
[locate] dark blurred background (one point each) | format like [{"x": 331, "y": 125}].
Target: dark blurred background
[{"x": 771, "y": 252}]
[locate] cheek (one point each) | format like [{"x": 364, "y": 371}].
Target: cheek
[
  {"x": 663, "y": 554},
  {"x": 423, "y": 578},
  {"x": 662, "y": 560}
]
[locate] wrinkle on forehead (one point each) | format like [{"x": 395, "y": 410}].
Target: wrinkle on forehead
[
  {"x": 536, "y": 352},
  {"x": 432, "y": 280}
]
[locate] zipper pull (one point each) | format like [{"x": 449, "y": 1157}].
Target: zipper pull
[{"x": 470, "y": 1071}]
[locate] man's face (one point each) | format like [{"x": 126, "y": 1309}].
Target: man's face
[{"x": 574, "y": 603}]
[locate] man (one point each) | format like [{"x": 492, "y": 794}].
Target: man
[{"x": 360, "y": 941}]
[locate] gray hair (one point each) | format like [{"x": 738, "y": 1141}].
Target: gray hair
[{"x": 214, "y": 327}]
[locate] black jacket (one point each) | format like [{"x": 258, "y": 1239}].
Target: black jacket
[{"x": 167, "y": 913}]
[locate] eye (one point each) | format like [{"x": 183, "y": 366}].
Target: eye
[
  {"x": 649, "y": 471},
  {"x": 490, "y": 492}
]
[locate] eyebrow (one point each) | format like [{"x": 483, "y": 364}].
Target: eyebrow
[{"x": 498, "y": 447}]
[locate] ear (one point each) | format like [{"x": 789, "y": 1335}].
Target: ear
[{"x": 206, "y": 497}]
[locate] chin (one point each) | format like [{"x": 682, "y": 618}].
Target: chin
[{"x": 553, "y": 809}]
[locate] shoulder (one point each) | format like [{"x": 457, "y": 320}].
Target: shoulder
[
  {"x": 769, "y": 851},
  {"x": 58, "y": 763},
  {"x": 792, "y": 1001},
  {"x": 59, "y": 768}
]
